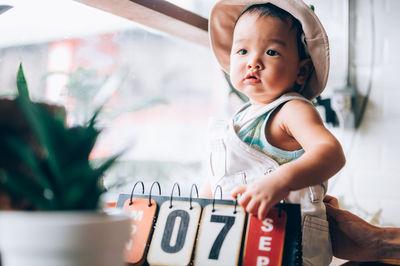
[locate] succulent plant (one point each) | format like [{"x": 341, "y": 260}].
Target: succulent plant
[{"x": 48, "y": 167}]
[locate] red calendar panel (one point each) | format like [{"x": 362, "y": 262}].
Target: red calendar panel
[
  {"x": 265, "y": 239},
  {"x": 142, "y": 221}
]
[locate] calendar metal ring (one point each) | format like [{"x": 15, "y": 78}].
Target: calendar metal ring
[
  {"x": 133, "y": 189},
  {"x": 280, "y": 208},
  {"x": 151, "y": 188},
  {"x": 215, "y": 192},
  {"x": 236, "y": 203},
  {"x": 191, "y": 190},
  {"x": 172, "y": 193}
]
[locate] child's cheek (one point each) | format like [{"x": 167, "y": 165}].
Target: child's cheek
[{"x": 235, "y": 76}]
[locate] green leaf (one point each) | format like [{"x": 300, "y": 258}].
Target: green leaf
[
  {"x": 107, "y": 164},
  {"x": 92, "y": 120},
  {"x": 46, "y": 129},
  {"x": 21, "y": 187},
  {"x": 83, "y": 195},
  {"x": 21, "y": 83},
  {"x": 59, "y": 175},
  {"x": 28, "y": 158},
  {"x": 82, "y": 188},
  {"x": 80, "y": 139}
]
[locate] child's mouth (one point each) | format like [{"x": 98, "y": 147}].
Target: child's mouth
[
  {"x": 251, "y": 75},
  {"x": 252, "y": 79}
]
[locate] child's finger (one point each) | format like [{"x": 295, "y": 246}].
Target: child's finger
[
  {"x": 244, "y": 200},
  {"x": 252, "y": 206},
  {"x": 238, "y": 190},
  {"x": 263, "y": 210}
]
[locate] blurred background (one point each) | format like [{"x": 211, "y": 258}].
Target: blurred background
[{"x": 158, "y": 91}]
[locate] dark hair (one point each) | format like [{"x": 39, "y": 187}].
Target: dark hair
[{"x": 271, "y": 10}]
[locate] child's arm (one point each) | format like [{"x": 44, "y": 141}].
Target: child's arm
[{"x": 322, "y": 159}]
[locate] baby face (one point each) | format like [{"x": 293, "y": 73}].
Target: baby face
[{"x": 264, "y": 61}]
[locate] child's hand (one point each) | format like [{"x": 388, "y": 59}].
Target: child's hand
[{"x": 259, "y": 197}]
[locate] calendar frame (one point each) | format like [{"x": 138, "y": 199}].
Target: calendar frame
[{"x": 292, "y": 251}]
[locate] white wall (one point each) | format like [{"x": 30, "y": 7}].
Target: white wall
[{"x": 370, "y": 182}]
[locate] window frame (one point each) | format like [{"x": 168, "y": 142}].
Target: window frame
[{"x": 160, "y": 15}]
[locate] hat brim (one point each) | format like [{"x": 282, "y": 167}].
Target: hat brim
[{"x": 221, "y": 25}]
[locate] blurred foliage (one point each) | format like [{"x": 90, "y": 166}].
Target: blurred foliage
[{"x": 55, "y": 173}]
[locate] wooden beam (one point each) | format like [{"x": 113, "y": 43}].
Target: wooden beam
[
  {"x": 160, "y": 15},
  {"x": 174, "y": 11}
]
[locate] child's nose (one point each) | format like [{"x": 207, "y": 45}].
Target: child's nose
[{"x": 255, "y": 63}]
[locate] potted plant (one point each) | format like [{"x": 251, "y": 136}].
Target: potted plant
[{"x": 49, "y": 190}]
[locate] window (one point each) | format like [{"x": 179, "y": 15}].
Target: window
[{"x": 157, "y": 91}]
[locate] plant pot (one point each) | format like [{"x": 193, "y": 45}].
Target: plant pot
[{"x": 62, "y": 238}]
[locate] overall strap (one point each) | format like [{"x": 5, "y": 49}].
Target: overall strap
[{"x": 282, "y": 99}]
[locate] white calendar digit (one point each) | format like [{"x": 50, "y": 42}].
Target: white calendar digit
[
  {"x": 220, "y": 235},
  {"x": 174, "y": 234}
]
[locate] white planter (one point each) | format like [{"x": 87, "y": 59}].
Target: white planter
[{"x": 62, "y": 238}]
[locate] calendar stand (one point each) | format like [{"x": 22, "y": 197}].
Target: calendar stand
[{"x": 292, "y": 249}]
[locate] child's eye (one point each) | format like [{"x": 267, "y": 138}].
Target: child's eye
[
  {"x": 272, "y": 53},
  {"x": 242, "y": 51}
]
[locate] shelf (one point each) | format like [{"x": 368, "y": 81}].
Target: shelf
[{"x": 160, "y": 15}]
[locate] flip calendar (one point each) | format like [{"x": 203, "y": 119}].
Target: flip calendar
[{"x": 175, "y": 230}]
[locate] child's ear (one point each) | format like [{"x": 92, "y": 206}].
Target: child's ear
[{"x": 305, "y": 69}]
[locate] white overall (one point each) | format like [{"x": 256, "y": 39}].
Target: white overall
[{"x": 234, "y": 162}]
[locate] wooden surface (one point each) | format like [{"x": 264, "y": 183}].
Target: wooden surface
[
  {"x": 160, "y": 15},
  {"x": 340, "y": 262},
  {"x": 375, "y": 263}
]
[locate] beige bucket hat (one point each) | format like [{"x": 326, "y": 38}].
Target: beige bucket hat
[{"x": 222, "y": 21}]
